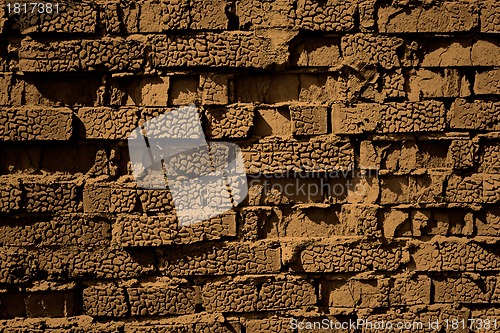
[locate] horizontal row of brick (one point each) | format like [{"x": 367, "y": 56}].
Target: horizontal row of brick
[
  {"x": 249, "y": 294},
  {"x": 45, "y": 195},
  {"x": 333, "y": 255},
  {"x": 222, "y": 89},
  {"x": 237, "y": 121},
  {"x": 253, "y": 223},
  {"x": 139, "y": 53},
  {"x": 218, "y": 89},
  {"x": 332, "y": 15}
]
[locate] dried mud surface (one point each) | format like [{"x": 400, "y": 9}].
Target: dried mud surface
[{"x": 401, "y": 99}]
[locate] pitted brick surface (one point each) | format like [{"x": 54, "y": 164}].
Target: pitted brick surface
[{"x": 369, "y": 134}]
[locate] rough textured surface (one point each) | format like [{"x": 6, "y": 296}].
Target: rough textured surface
[{"x": 369, "y": 132}]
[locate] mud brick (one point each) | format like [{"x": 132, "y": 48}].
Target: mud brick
[
  {"x": 109, "y": 18},
  {"x": 208, "y": 14},
  {"x": 159, "y": 299},
  {"x": 331, "y": 15},
  {"x": 463, "y": 153},
  {"x": 460, "y": 52},
  {"x": 75, "y": 263},
  {"x": 428, "y": 116},
  {"x": 344, "y": 256},
  {"x": 107, "y": 53},
  {"x": 60, "y": 302},
  {"x": 410, "y": 290},
  {"x": 214, "y": 89},
  {"x": 463, "y": 289},
  {"x": 488, "y": 223},
  {"x": 139, "y": 91},
  {"x": 309, "y": 119},
  {"x": 222, "y": 259},
  {"x": 105, "y": 300},
  {"x": 272, "y": 121},
  {"x": 442, "y": 17},
  {"x": 10, "y": 195},
  {"x": 355, "y": 293},
  {"x": 490, "y": 11},
  {"x": 393, "y": 84},
  {"x": 465, "y": 189},
  {"x": 282, "y": 88},
  {"x": 155, "y": 200},
  {"x": 396, "y": 189},
  {"x": 426, "y": 83},
  {"x": 240, "y": 49},
  {"x": 107, "y": 123},
  {"x": 282, "y": 156},
  {"x": 487, "y": 82},
  {"x": 96, "y": 198},
  {"x": 317, "y": 53},
  {"x": 187, "y": 324},
  {"x": 247, "y": 294},
  {"x": 35, "y": 123},
  {"x": 491, "y": 188},
  {"x": 69, "y": 18},
  {"x": 443, "y": 222},
  {"x": 271, "y": 325},
  {"x": 455, "y": 256},
  {"x": 319, "y": 88},
  {"x": 65, "y": 229},
  {"x": 217, "y": 227},
  {"x": 230, "y": 296},
  {"x": 232, "y": 121},
  {"x": 50, "y": 196},
  {"x": 478, "y": 115},
  {"x": 16, "y": 265},
  {"x": 265, "y": 14},
  {"x": 371, "y": 49},
  {"x": 490, "y": 158},
  {"x": 123, "y": 199},
  {"x": 394, "y": 222},
  {"x": 157, "y": 16},
  {"x": 359, "y": 220}
]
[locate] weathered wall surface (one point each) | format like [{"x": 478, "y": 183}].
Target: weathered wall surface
[{"x": 410, "y": 89}]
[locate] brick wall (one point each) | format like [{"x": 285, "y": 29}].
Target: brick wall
[{"x": 400, "y": 98}]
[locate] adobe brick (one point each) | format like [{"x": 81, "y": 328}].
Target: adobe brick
[
  {"x": 371, "y": 49},
  {"x": 35, "y": 123},
  {"x": 287, "y": 155},
  {"x": 309, "y": 119},
  {"x": 410, "y": 290},
  {"x": 491, "y": 188},
  {"x": 107, "y": 53},
  {"x": 48, "y": 195},
  {"x": 488, "y": 223},
  {"x": 487, "y": 82},
  {"x": 490, "y": 11},
  {"x": 158, "y": 201},
  {"x": 265, "y": 14},
  {"x": 478, "y": 115},
  {"x": 107, "y": 123},
  {"x": 160, "y": 299},
  {"x": 460, "y": 53},
  {"x": 208, "y": 14},
  {"x": 214, "y": 89},
  {"x": 271, "y": 325},
  {"x": 65, "y": 229},
  {"x": 441, "y": 17},
  {"x": 426, "y": 83},
  {"x": 139, "y": 91},
  {"x": 462, "y": 290},
  {"x": 231, "y": 121},
  {"x": 400, "y": 117},
  {"x": 455, "y": 255},
  {"x": 463, "y": 153},
  {"x": 240, "y": 49},
  {"x": 355, "y": 293},
  {"x": 330, "y": 15},
  {"x": 62, "y": 302},
  {"x": 10, "y": 195},
  {"x": 16, "y": 265},
  {"x": 222, "y": 259},
  {"x": 107, "y": 263},
  {"x": 344, "y": 257},
  {"x": 468, "y": 189},
  {"x": 106, "y": 300}
]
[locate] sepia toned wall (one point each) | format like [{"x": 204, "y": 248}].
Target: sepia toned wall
[{"x": 391, "y": 106}]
